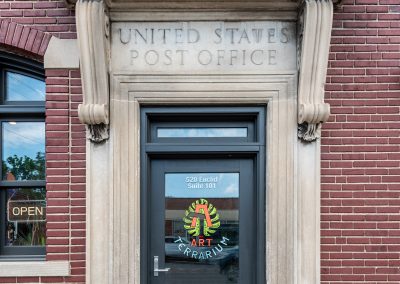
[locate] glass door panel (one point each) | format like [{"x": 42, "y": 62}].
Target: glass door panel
[
  {"x": 202, "y": 221},
  {"x": 202, "y": 227}
]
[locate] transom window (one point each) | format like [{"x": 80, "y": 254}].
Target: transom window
[
  {"x": 22, "y": 185},
  {"x": 206, "y": 128}
]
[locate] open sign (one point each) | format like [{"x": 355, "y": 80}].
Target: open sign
[{"x": 26, "y": 210}]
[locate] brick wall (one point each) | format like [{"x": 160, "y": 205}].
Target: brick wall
[
  {"x": 361, "y": 152},
  {"x": 65, "y": 153},
  {"x": 48, "y": 16},
  {"x": 26, "y": 28}
]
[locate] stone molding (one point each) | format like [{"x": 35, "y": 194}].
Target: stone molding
[
  {"x": 209, "y": 5},
  {"x": 314, "y": 33},
  {"x": 278, "y": 94},
  {"x": 62, "y": 54},
  {"x": 93, "y": 40},
  {"x": 35, "y": 269}
]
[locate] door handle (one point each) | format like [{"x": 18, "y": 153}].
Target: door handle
[{"x": 156, "y": 269}]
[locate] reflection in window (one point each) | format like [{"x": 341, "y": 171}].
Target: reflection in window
[
  {"x": 23, "y": 88},
  {"x": 26, "y": 216},
  {"x": 23, "y": 150},
  {"x": 22, "y": 190},
  {"x": 201, "y": 132},
  {"x": 202, "y": 185},
  {"x": 216, "y": 251}
]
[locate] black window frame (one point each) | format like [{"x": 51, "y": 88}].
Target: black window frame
[
  {"x": 203, "y": 121},
  {"x": 26, "y": 111}
]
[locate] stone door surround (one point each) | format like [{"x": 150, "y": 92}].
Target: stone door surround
[{"x": 114, "y": 93}]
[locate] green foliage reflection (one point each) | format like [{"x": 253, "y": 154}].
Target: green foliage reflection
[{"x": 24, "y": 168}]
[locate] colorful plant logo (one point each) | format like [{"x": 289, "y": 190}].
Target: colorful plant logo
[{"x": 209, "y": 215}]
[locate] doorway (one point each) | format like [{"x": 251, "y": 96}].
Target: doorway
[{"x": 203, "y": 195}]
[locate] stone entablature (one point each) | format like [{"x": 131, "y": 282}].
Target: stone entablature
[
  {"x": 313, "y": 37},
  {"x": 203, "y": 47}
]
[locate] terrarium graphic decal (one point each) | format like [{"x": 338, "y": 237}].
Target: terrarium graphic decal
[{"x": 208, "y": 212}]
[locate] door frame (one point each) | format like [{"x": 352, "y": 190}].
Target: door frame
[
  {"x": 243, "y": 165},
  {"x": 293, "y": 172},
  {"x": 215, "y": 149}
]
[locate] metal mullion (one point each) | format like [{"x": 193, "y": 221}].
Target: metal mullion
[
  {"x": 1, "y": 147},
  {"x": 201, "y": 110},
  {"x": 26, "y": 110},
  {"x": 26, "y": 118},
  {"x": 3, "y": 208},
  {"x": 23, "y": 183},
  {"x": 3, "y": 85},
  {"x": 201, "y": 149}
]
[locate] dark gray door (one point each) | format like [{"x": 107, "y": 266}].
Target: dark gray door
[{"x": 202, "y": 216}]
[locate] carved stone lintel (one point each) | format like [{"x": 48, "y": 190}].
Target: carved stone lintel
[
  {"x": 315, "y": 24},
  {"x": 94, "y": 48}
]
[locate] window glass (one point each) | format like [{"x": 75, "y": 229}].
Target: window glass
[
  {"x": 26, "y": 216},
  {"x": 23, "y": 150},
  {"x": 202, "y": 217},
  {"x": 22, "y": 138},
  {"x": 201, "y": 132},
  {"x": 24, "y": 88}
]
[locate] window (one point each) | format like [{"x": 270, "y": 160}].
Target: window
[
  {"x": 202, "y": 128},
  {"x": 22, "y": 185}
]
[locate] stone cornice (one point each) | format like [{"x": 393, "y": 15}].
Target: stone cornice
[
  {"x": 200, "y": 5},
  {"x": 289, "y": 3}
]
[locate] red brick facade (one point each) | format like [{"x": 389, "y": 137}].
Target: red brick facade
[
  {"x": 26, "y": 28},
  {"x": 360, "y": 220},
  {"x": 65, "y": 153},
  {"x": 47, "y": 16},
  {"x": 361, "y": 146}
]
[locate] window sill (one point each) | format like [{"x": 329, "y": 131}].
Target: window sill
[{"x": 12, "y": 268}]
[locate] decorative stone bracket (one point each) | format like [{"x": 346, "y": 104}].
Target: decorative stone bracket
[
  {"x": 95, "y": 116},
  {"x": 314, "y": 33},
  {"x": 94, "y": 46}
]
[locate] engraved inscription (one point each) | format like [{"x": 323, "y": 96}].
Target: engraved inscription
[{"x": 203, "y": 45}]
